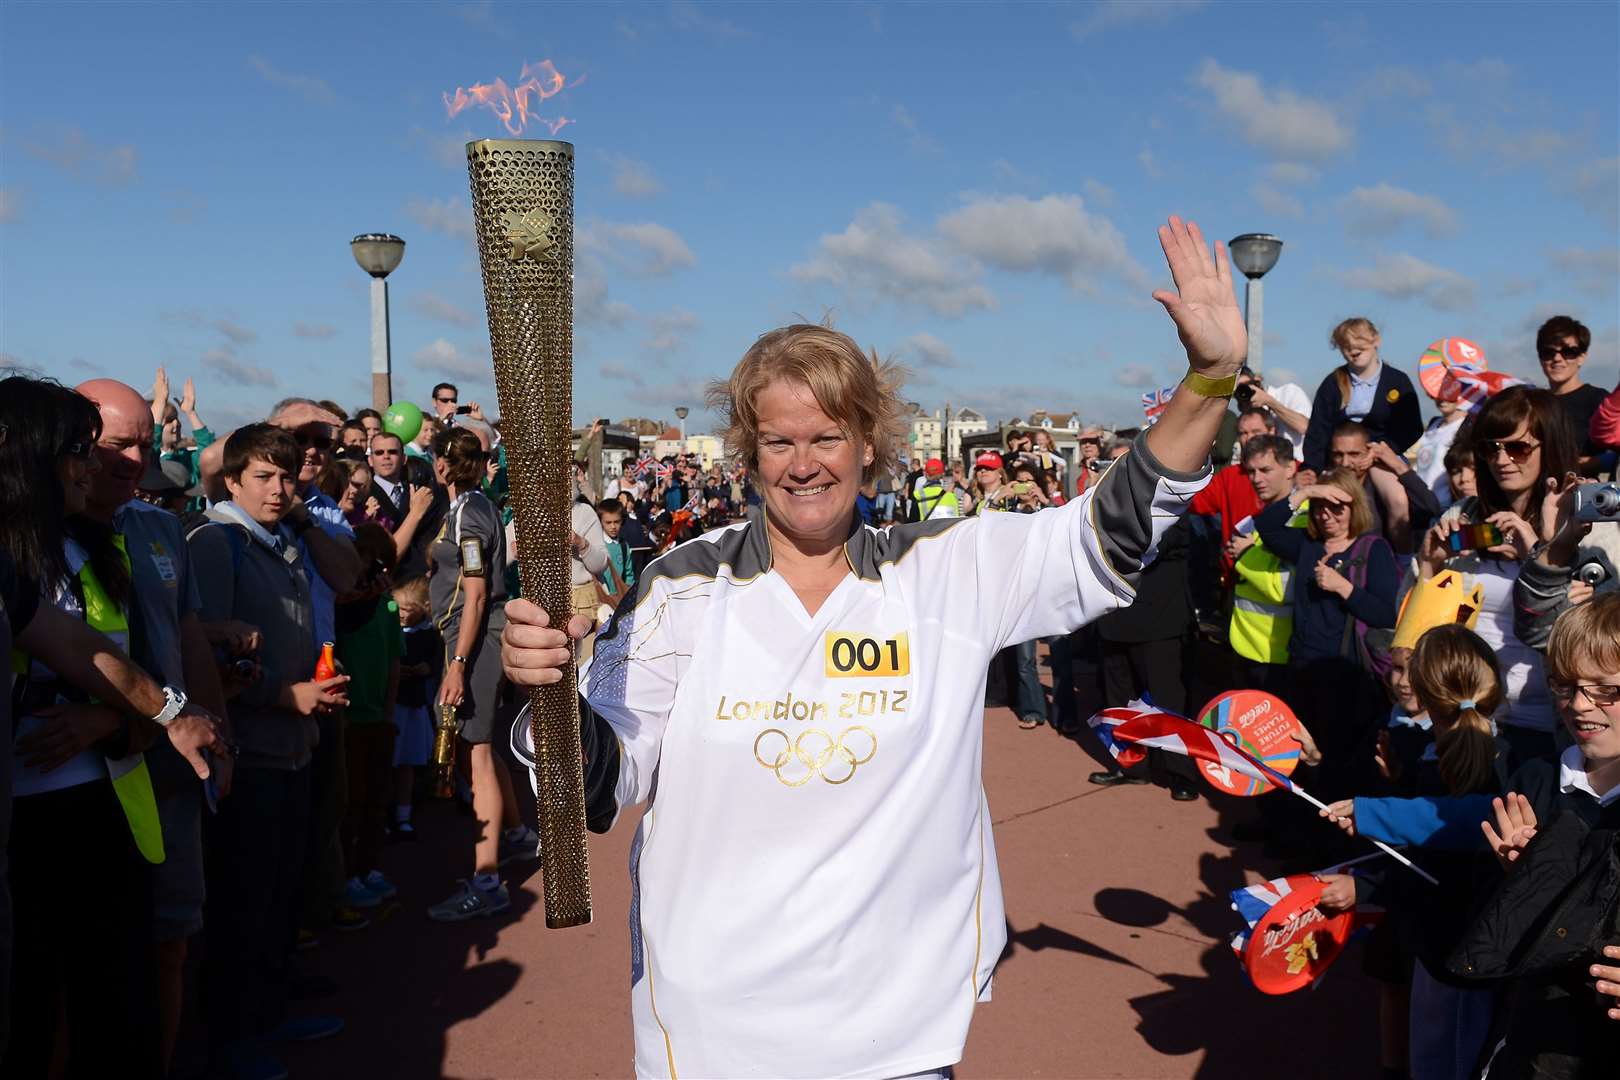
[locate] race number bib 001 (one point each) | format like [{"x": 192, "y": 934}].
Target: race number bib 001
[{"x": 851, "y": 656}]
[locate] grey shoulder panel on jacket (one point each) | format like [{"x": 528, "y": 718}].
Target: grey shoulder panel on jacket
[
  {"x": 1122, "y": 506},
  {"x": 869, "y": 549}
]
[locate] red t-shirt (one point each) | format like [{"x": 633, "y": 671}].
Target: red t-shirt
[{"x": 1230, "y": 495}]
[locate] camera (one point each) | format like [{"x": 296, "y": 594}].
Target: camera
[
  {"x": 1244, "y": 395},
  {"x": 1592, "y": 573},
  {"x": 1597, "y": 502}
]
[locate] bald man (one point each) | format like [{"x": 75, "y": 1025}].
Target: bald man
[{"x": 169, "y": 642}]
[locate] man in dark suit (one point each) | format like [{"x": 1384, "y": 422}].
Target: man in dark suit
[{"x": 391, "y": 487}]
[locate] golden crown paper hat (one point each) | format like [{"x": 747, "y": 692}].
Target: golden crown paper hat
[
  {"x": 523, "y": 210},
  {"x": 1445, "y": 598}
]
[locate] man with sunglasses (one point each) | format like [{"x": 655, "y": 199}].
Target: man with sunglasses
[
  {"x": 1561, "y": 346},
  {"x": 445, "y": 398}
]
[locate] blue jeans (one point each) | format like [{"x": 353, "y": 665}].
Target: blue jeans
[
  {"x": 1031, "y": 695},
  {"x": 884, "y": 505}
]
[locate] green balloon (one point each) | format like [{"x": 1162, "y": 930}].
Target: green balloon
[{"x": 403, "y": 419}]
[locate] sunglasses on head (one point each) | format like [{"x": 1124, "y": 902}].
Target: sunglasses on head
[
  {"x": 1568, "y": 352},
  {"x": 1516, "y": 449}
]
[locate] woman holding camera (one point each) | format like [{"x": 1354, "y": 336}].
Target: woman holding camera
[{"x": 1524, "y": 457}]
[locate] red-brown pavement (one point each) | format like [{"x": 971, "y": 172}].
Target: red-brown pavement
[{"x": 1118, "y": 964}]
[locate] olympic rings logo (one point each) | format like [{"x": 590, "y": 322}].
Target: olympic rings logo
[{"x": 816, "y": 753}]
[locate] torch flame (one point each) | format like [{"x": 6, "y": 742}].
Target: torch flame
[{"x": 514, "y": 105}]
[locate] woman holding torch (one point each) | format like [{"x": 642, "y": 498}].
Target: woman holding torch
[{"x": 797, "y": 699}]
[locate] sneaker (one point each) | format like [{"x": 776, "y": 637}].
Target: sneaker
[
  {"x": 357, "y": 895},
  {"x": 1183, "y": 794},
  {"x": 469, "y": 901},
  {"x": 307, "y": 940},
  {"x": 526, "y": 846},
  {"x": 346, "y": 920},
  {"x": 308, "y": 1028},
  {"x": 379, "y": 886}
]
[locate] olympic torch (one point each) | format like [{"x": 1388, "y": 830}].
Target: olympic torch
[{"x": 523, "y": 210}]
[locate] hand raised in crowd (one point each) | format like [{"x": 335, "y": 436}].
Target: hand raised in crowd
[
  {"x": 1342, "y": 814},
  {"x": 1558, "y": 525},
  {"x": 1305, "y": 477},
  {"x": 1518, "y": 535},
  {"x": 373, "y": 507},
  {"x": 315, "y": 696},
  {"x": 1580, "y": 592},
  {"x": 1204, "y": 306},
  {"x": 1608, "y": 976},
  {"x": 533, "y": 652},
  {"x": 70, "y": 729},
  {"x": 1385, "y": 457},
  {"x": 476, "y": 411},
  {"x": 160, "y": 395},
  {"x": 1329, "y": 492},
  {"x": 1236, "y": 546},
  {"x": 188, "y": 397},
  {"x": 194, "y": 731},
  {"x": 1389, "y": 766},
  {"x": 1330, "y": 580},
  {"x": 1309, "y": 752},
  {"x": 1338, "y": 893},
  {"x": 1436, "y": 546},
  {"x": 1515, "y": 827},
  {"x": 421, "y": 501}
]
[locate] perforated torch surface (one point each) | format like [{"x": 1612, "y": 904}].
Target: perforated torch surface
[{"x": 523, "y": 210}]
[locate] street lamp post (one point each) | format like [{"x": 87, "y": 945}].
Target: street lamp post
[
  {"x": 681, "y": 412},
  {"x": 1254, "y": 254},
  {"x": 378, "y": 254}
]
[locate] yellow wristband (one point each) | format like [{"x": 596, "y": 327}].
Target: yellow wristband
[{"x": 1204, "y": 386}]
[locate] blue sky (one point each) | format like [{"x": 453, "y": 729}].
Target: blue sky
[{"x": 971, "y": 187}]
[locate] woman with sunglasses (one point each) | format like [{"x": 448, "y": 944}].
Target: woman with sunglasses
[
  {"x": 1344, "y": 575},
  {"x": 1523, "y": 452}
]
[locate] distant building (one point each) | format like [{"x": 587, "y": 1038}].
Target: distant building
[
  {"x": 960, "y": 423},
  {"x": 708, "y": 449},
  {"x": 668, "y": 443},
  {"x": 927, "y": 435}
]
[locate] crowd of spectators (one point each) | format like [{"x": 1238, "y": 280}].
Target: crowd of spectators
[{"x": 325, "y": 589}]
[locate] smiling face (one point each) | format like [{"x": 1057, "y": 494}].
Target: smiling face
[
  {"x": 264, "y": 491},
  {"x": 1399, "y": 682},
  {"x": 809, "y": 466},
  {"x": 1594, "y": 727},
  {"x": 1561, "y": 363},
  {"x": 1332, "y": 520},
  {"x": 1513, "y": 476},
  {"x": 354, "y": 494}
]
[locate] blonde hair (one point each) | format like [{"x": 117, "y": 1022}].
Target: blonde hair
[
  {"x": 1586, "y": 640},
  {"x": 1450, "y": 668},
  {"x": 856, "y": 389},
  {"x": 1340, "y": 339},
  {"x": 413, "y": 594},
  {"x": 1360, "y": 513}
]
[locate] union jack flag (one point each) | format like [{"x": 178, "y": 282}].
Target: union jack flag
[
  {"x": 1154, "y": 401},
  {"x": 1128, "y": 732},
  {"x": 1253, "y": 901},
  {"x": 1471, "y": 385}
]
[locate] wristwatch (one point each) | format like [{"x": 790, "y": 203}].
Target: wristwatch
[
  {"x": 462, "y": 660},
  {"x": 173, "y": 702}
]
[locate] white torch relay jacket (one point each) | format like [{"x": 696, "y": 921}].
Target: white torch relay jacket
[{"x": 815, "y": 891}]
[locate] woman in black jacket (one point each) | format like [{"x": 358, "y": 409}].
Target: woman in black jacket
[{"x": 1364, "y": 389}]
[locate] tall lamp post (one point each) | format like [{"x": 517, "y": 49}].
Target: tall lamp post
[
  {"x": 681, "y": 412},
  {"x": 1254, "y": 254},
  {"x": 378, "y": 254}
]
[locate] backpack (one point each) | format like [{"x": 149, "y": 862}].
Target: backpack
[{"x": 1355, "y": 645}]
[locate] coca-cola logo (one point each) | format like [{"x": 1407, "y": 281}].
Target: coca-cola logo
[{"x": 1279, "y": 937}]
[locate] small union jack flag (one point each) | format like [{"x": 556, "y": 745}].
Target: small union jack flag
[
  {"x": 1471, "y": 385},
  {"x": 1154, "y": 401}
]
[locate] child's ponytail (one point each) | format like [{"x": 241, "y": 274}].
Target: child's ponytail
[{"x": 1456, "y": 677}]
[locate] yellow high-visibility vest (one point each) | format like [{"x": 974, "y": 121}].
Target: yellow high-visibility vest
[
  {"x": 1263, "y": 603},
  {"x": 131, "y": 780}
]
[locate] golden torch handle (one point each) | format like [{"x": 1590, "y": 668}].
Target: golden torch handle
[{"x": 523, "y": 209}]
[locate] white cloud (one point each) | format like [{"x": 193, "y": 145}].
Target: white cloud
[
  {"x": 314, "y": 331},
  {"x": 1596, "y": 272},
  {"x": 685, "y": 15},
  {"x": 311, "y": 88},
  {"x": 1385, "y": 209},
  {"x": 10, "y": 204},
  {"x": 1108, "y": 14},
  {"x": 1406, "y": 277},
  {"x": 1275, "y": 202},
  {"x": 223, "y": 361},
  {"x": 669, "y": 330},
  {"x": 233, "y": 332},
  {"x": 1596, "y": 186},
  {"x": 918, "y": 139},
  {"x": 930, "y": 350},
  {"x": 439, "y": 356},
  {"x": 451, "y": 216},
  {"x": 1291, "y": 173},
  {"x": 634, "y": 179},
  {"x": 1138, "y": 376},
  {"x": 72, "y": 152},
  {"x": 1149, "y": 163},
  {"x": 1098, "y": 192},
  {"x": 1054, "y": 234},
  {"x": 641, "y": 248},
  {"x": 875, "y": 256},
  {"x": 1287, "y": 124},
  {"x": 593, "y": 307},
  {"x": 434, "y": 306},
  {"x": 1470, "y": 137}
]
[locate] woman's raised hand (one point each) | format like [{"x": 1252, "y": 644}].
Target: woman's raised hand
[
  {"x": 1515, "y": 828},
  {"x": 1204, "y": 305}
]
